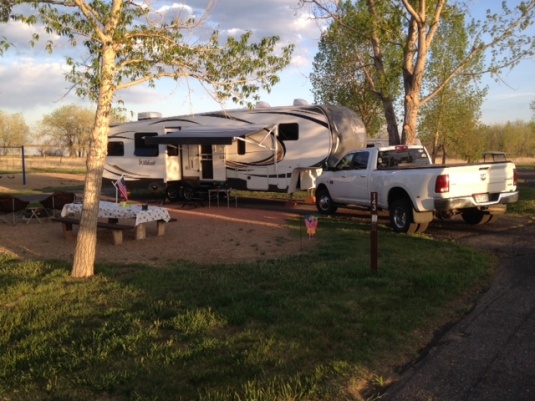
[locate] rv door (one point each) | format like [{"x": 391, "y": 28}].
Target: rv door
[
  {"x": 190, "y": 160},
  {"x": 172, "y": 165},
  {"x": 218, "y": 163},
  {"x": 213, "y": 162}
]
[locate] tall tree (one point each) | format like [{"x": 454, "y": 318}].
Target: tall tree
[
  {"x": 500, "y": 36},
  {"x": 69, "y": 128},
  {"x": 338, "y": 76},
  {"x": 130, "y": 43},
  {"x": 451, "y": 119},
  {"x": 13, "y": 131}
]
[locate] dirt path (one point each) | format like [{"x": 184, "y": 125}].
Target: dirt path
[{"x": 204, "y": 235}]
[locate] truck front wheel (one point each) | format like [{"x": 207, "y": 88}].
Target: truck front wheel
[
  {"x": 401, "y": 217},
  {"x": 324, "y": 202}
]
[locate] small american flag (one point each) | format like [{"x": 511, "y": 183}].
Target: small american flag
[{"x": 121, "y": 185}]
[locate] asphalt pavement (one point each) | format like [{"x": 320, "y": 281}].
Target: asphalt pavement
[{"x": 490, "y": 354}]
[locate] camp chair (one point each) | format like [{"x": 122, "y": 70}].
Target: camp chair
[
  {"x": 10, "y": 205},
  {"x": 56, "y": 201}
]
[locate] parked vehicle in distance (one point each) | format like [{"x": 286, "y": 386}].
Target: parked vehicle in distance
[{"x": 414, "y": 190}]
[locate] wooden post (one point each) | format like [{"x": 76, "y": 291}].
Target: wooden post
[
  {"x": 160, "y": 227},
  {"x": 141, "y": 232},
  {"x": 373, "y": 234}
]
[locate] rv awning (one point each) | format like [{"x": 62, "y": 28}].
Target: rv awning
[{"x": 204, "y": 135}]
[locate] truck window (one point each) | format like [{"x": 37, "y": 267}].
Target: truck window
[
  {"x": 115, "y": 149},
  {"x": 346, "y": 162},
  {"x": 143, "y": 149},
  {"x": 404, "y": 158},
  {"x": 361, "y": 161}
]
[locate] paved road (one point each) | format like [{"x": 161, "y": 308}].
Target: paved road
[{"x": 489, "y": 355}]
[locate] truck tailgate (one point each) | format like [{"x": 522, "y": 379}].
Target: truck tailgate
[{"x": 488, "y": 178}]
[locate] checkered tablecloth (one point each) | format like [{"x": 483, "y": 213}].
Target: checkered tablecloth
[{"x": 111, "y": 210}]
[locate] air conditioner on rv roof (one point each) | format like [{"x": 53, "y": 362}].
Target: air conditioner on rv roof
[{"x": 148, "y": 115}]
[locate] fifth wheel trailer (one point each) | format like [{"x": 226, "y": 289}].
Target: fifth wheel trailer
[{"x": 276, "y": 149}]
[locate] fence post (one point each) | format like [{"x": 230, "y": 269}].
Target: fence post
[{"x": 23, "y": 166}]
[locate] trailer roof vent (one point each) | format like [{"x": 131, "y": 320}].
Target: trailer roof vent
[
  {"x": 300, "y": 102},
  {"x": 148, "y": 115},
  {"x": 262, "y": 105}
]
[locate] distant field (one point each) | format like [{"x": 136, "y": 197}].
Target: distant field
[{"x": 13, "y": 164}]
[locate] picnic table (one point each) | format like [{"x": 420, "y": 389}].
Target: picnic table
[{"x": 113, "y": 212}]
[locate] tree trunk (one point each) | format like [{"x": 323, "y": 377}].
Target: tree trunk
[
  {"x": 86, "y": 243},
  {"x": 408, "y": 135},
  {"x": 391, "y": 122}
]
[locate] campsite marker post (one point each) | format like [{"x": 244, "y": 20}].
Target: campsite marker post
[{"x": 373, "y": 233}]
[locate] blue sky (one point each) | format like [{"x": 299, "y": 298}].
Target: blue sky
[{"x": 32, "y": 81}]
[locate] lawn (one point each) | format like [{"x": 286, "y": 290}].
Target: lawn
[{"x": 323, "y": 326}]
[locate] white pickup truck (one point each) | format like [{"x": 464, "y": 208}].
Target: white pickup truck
[{"x": 414, "y": 190}]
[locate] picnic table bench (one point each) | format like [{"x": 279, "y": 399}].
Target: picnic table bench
[{"x": 116, "y": 229}]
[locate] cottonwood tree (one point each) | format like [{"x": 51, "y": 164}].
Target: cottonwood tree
[
  {"x": 128, "y": 43},
  {"x": 69, "y": 128},
  {"x": 411, "y": 26},
  {"x": 450, "y": 120},
  {"x": 338, "y": 76}
]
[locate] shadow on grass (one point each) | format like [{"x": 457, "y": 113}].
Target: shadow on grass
[{"x": 307, "y": 327}]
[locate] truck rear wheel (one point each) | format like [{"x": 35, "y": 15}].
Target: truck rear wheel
[
  {"x": 401, "y": 217},
  {"x": 324, "y": 202},
  {"x": 476, "y": 216}
]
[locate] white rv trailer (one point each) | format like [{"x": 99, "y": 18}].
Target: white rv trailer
[{"x": 278, "y": 149}]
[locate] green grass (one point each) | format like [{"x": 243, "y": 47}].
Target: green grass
[{"x": 308, "y": 327}]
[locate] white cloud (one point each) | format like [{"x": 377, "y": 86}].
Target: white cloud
[
  {"x": 26, "y": 83},
  {"x": 32, "y": 81}
]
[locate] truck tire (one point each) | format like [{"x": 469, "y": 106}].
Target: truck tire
[
  {"x": 401, "y": 217},
  {"x": 324, "y": 202},
  {"x": 172, "y": 192},
  {"x": 476, "y": 216}
]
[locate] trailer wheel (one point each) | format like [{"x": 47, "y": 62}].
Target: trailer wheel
[
  {"x": 476, "y": 217},
  {"x": 188, "y": 193},
  {"x": 172, "y": 192},
  {"x": 324, "y": 202},
  {"x": 401, "y": 217}
]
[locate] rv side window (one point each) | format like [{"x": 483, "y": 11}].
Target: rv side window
[
  {"x": 141, "y": 148},
  {"x": 289, "y": 132},
  {"x": 115, "y": 149}
]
